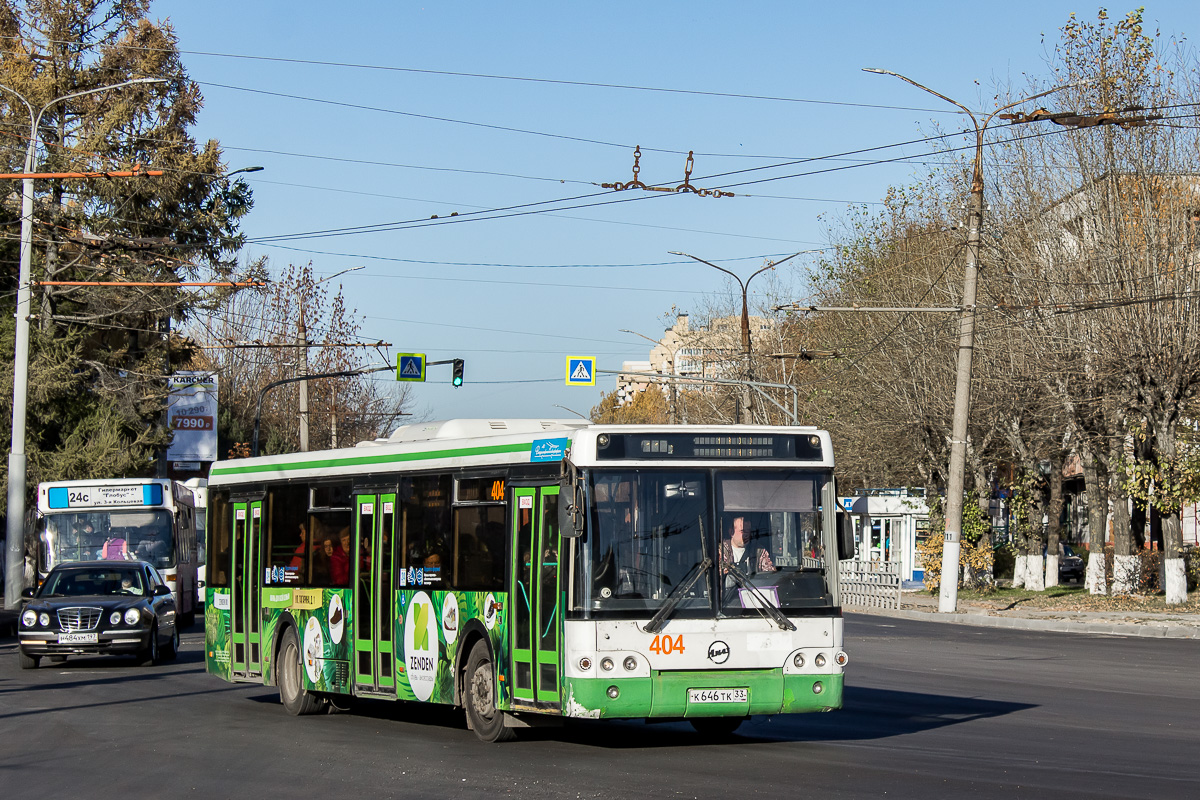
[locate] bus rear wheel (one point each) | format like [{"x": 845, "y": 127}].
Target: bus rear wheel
[
  {"x": 480, "y": 697},
  {"x": 296, "y": 700}
]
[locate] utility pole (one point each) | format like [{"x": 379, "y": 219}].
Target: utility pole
[
  {"x": 952, "y": 543},
  {"x": 302, "y": 343}
]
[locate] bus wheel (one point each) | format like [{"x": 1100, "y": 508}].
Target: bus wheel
[
  {"x": 295, "y": 698},
  {"x": 480, "y": 697},
  {"x": 716, "y": 727},
  {"x": 27, "y": 662}
]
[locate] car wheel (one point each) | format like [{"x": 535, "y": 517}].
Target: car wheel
[
  {"x": 151, "y": 656},
  {"x": 173, "y": 646},
  {"x": 480, "y": 697},
  {"x": 27, "y": 662},
  {"x": 716, "y": 727},
  {"x": 296, "y": 700}
]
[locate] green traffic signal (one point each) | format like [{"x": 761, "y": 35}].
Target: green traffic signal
[{"x": 457, "y": 378}]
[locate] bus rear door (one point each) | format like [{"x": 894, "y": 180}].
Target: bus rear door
[
  {"x": 536, "y": 596},
  {"x": 374, "y": 594},
  {"x": 245, "y": 605}
]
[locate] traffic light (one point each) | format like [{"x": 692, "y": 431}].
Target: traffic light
[{"x": 457, "y": 378}]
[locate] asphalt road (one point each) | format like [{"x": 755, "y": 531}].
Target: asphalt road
[{"x": 932, "y": 711}]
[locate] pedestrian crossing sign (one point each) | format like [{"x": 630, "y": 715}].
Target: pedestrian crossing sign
[
  {"x": 410, "y": 367},
  {"x": 581, "y": 371}
]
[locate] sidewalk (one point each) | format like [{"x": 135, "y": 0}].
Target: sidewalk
[{"x": 921, "y": 605}]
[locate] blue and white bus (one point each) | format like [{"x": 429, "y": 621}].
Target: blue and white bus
[{"x": 151, "y": 519}]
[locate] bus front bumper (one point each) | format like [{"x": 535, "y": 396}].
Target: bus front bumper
[{"x": 680, "y": 694}]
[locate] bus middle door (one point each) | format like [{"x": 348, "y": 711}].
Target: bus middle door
[
  {"x": 536, "y": 596},
  {"x": 374, "y": 594}
]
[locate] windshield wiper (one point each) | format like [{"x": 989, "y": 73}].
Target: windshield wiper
[
  {"x": 676, "y": 595},
  {"x": 764, "y": 604}
]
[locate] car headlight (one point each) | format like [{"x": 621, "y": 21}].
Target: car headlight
[
  {"x": 29, "y": 618},
  {"x": 132, "y": 616},
  {"x": 114, "y": 618},
  {"x": 44, "y": 618}
]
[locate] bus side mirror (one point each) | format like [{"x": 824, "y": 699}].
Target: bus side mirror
[
  {"x": 845, "y": 536},
  {"x": 570, "y": 502}
]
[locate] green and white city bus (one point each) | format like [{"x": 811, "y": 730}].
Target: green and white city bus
[{"x": 531, "y": 570}]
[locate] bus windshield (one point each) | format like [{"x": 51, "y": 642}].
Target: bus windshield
[
  {"x": 111, "y": 534},
  {"x": 652, "y": 529}
]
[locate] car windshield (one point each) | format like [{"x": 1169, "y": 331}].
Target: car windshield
[
  {"x": 94, "y": 582},
  {"x": 97, "y": 535},
  {"x": 650, "y": 531}
]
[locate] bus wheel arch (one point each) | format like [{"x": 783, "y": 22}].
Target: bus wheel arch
[{"x": 286, "y": 621}]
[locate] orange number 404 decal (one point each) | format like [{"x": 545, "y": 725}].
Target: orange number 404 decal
[{"x": 666, "y": 645}]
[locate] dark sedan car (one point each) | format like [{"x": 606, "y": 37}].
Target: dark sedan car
[{"x": 99, "y": 607}]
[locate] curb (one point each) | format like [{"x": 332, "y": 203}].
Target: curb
[{"x": 1046, "y": 625}]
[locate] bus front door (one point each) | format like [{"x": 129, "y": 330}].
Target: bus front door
[
  {"x": 374, "y": 594},
  {"x": 536, "y": 596},
  {"x": 245, "y": 605}
]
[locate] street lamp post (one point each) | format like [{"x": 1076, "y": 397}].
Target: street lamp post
[
  {"x": 16, "y": 457},
  {"x": 748, "y": 368},
  {"x": 952, "y": 544}
]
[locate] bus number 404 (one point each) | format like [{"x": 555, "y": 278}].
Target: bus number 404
[{"x": 666, "y": 645}]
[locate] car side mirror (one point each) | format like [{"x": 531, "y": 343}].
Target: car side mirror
[
  {"x": 161, "y": 590},
  {"x": 28, "y": 592}
]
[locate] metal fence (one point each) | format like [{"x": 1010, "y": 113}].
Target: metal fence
[{"x": 870, "y": 584}]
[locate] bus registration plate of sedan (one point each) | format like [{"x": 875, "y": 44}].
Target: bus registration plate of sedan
[
  {"x": 77, "y": 638},
  {"x": 718, "y": 695}
]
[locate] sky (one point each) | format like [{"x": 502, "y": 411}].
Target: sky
[{"x": 510, "y": 115}]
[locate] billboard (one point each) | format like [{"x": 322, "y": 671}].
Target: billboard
[{"x": 192, "y": 416}]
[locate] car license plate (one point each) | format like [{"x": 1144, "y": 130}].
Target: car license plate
[
  {"x": 718, "y": 695},
  {"x": 78, "y": 638}
]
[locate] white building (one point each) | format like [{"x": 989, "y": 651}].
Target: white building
[{"x": 894, "y": 522}]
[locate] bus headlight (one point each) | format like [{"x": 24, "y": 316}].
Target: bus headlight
[
  {"x": 114, "y": 618},
  {"x": 44, "y": 618},
  {"x": 630, "y": 663},
  {"x": 614, "y": 692},
  {"x": 819, "y": 660},
  {"x": 818, "y": 687},
  {"x": 29, "y": 618},
  {"x": 132, "y": 616},
  {"x": 798, "y": 660},
  {"x": 606, "y": 664}
]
